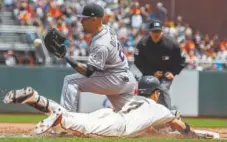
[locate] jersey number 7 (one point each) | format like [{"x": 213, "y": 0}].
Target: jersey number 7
[{"x": 132, "y": 106}]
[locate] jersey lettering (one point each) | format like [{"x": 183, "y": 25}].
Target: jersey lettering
[
  {"x": 132, "y": 106},
  {"x": 119, "y": 47},
  {"x": 113, "y": 39}
]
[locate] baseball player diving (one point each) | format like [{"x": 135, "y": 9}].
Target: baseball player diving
[
  {"x": 106, "y": 71},
  {"x": 135, "y": 118}
]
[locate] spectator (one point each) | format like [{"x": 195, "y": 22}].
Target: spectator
[
  {"x": 10, "y": 58},
  {"x": 80, "y": 45},
  {"x": 136, "y": 19},
  {"x": 147, "y": 13},
  {"x": 8, "y": 4},
  {"x": 128, "y": 17},
  {"x": 170, "y": 29},
  {"x": 191, "y": 59},
  {"x": 26, "y": 59},
  {"x": 123, "y": 31},
  {"x": 161, "y": 13}
]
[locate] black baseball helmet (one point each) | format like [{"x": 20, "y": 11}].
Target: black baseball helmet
[{"x": 147, "y": 85}]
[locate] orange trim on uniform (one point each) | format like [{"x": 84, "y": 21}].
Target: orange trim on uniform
[
  {"x": 80, "y": 134},
  {"x": 99, "y": 135},
  {"x": 83, "y": 135}
]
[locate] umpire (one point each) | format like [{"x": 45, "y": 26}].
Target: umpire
[{"x": 159, "y": 55}]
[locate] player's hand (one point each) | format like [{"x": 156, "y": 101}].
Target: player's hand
[
  {"x": 169, "y": 75},
  {"x": 158, "y": 74}
]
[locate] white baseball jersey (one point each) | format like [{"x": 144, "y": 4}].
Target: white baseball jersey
[
  {"x": 113, "y": 78},
  {"x": 133, "y": 120}
]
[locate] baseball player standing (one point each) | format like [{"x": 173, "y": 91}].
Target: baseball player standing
[
  {"x": 106, "y": 71},
  {"x": 159, "y": 55}
]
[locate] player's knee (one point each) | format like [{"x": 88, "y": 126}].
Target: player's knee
[
  {"x": 72, "y": 89},
  {"x": 70, "y": 100},
  {"x": 68, "y": 79},
  {"x": 73, "y": 78}
]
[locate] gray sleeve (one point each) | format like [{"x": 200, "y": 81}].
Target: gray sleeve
[{"x": 98, "y": 57}]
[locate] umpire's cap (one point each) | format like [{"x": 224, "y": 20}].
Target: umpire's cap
[
  {"x": 91, "y": 10},
  {"x": 147, "y": 85},
  {"x": 155, "y": 25}
]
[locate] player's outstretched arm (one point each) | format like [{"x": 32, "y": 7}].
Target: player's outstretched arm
[
  {"x": 86, "y": 70},
  {"x": 56, "y": 44},
  {"x": 186, "y": 130},
  {"x": 182, "y": 127}
]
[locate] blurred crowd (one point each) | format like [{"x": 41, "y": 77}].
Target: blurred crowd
[{"x": 129, "y": 18}]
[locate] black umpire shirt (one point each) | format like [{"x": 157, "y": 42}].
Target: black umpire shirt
[{"x": 164, "y": 56}]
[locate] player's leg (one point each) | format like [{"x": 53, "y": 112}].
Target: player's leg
[
  {"x": 70, "y": 92},
  {"x": 31, "y": 97},
  {"x": 99, "y": 83},
  {"x": 109, "y": 124},
  {"x": 101, "y": 112},
  {"x": 164, "y": 98}
]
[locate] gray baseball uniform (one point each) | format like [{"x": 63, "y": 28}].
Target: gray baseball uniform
[{"x": 114, "y": 78}]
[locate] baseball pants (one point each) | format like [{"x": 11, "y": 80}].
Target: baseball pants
[
  {"x": 114, "y": 85},
  {"x": 164, "y": 98}
]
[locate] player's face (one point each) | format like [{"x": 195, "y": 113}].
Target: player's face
[
  {"x": 155, "y": 95},
  {"x": 87, "y": 24},
  {"x": 156, "y": 35}
]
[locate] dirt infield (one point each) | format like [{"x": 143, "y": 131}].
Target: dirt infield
[
  {"x": 10, "y": 129},
  {"x": 16, "y": 128}
]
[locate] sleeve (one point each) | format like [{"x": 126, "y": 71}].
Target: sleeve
[
  {"x": 139, "y": 57},
  {"x": 97, "y": 57},
  {"x": 179, "y": 60}
]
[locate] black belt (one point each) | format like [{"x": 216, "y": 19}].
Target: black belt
[{"x": 117, "y": 71}]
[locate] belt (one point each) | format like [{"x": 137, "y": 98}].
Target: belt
[{"x": 117, "y": 70}]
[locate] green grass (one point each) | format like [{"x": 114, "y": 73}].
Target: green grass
[
  {"x": 19, "y": 118},
  {"x": 206, "y": 122},
  {"x": 195, "y": 122},
  {"x": 100, "y": 140}
]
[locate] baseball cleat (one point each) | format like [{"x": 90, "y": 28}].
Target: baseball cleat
[
  {"x": 53, "y": 120},
  {"x": 25, "y": 96}
]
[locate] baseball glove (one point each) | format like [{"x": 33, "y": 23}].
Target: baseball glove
[{"x": 54, "y": 42}]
